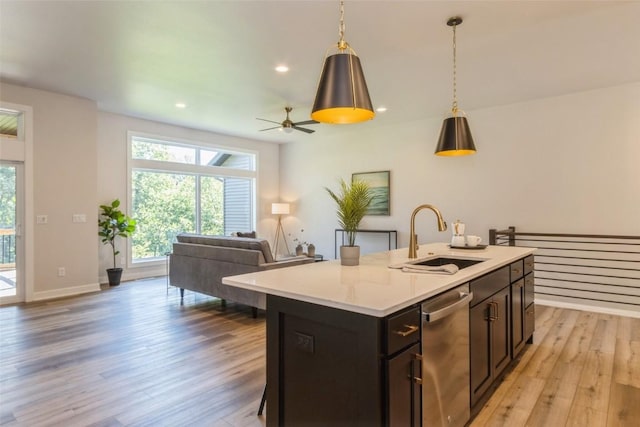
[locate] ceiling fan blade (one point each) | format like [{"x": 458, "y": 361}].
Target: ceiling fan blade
[
  {"x": 270, "y": 121},
  {"x": 303, "y": 129},
  {"x": 306, "y": 122},
  {"x": 275, "y": 127}
]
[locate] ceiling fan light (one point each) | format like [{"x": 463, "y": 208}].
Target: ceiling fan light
[
  {"x": 287, "y": 129},
  {"x": 455, "y": 138},
  {"x": 342, "y": 96}
]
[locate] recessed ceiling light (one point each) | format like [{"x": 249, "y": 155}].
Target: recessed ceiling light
[
  {"x": 181, "y": 105},
  {"x": 282, "y": 68},
  {"x": 381, "y": 109}
]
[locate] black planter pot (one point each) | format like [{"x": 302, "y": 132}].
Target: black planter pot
[{"x": 114, "y": 276}]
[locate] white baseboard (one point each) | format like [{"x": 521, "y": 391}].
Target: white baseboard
[
  {"x": 65, "y": 292},
  {"x": 137, "y": 273},
  {"x": 585, "y": 307}
]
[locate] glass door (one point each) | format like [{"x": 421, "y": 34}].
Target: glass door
[{"x": 11, "y": 208}]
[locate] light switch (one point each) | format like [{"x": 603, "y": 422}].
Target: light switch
[
  {"x": 79, "y": 218},
  {"x": 41, "y": 219}
]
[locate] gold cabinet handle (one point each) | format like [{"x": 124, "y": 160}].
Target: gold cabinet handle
[
  {"x": 417, "y": 359},
  {"x": 490, "y": 317},
  {"x": 410, "y": 329}
]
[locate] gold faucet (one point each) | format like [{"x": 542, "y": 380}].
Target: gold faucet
[{"x": 413, "y": 238}]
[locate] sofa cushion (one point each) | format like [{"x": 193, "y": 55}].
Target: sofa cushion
[{"x": 261, "y": 245}]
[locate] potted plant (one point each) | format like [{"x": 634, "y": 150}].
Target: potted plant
[
  {"x": 352, "y": 203},
  {"x": 112, "y": 224}
]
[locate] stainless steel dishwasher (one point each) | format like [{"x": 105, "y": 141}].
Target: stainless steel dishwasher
[{"x": 445, "y": 359}]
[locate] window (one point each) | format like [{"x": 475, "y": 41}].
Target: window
[
  {"x": 187, "y": 187},
  {"x": 11, "y": 124}
]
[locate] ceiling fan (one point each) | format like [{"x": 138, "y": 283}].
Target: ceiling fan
[{"x": 288, "y": 126}]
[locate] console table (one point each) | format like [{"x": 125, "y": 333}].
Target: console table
[{"x": 392, "y": 236}]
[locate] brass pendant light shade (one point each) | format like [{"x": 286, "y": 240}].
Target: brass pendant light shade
[
  {"x": 455, "y": 136},
  {"x": 342, "y": 96}
]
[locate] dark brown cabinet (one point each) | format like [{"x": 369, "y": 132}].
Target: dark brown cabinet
[
  {"x": 501, "y": 322},
  {"x": 403, "y": 371},
  {"x": 529, "y": 306},
  {"x": 522, "y": 309},
  {"x": 518, "y": 332},
  {"x": 327, "y": 366},
  {"x": 403, "y": 386},
  {"x": 516, "y": 273},
  {"x": 490, "y": 340}
]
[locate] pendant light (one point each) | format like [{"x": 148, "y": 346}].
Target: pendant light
[
  {"x": 455, "y": 136},
  {"x": 342, "y": 95}
]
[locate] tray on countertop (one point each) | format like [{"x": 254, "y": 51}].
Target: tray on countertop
[{"x": 465, "y": 247}]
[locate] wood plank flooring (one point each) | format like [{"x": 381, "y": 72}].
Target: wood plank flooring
[{"x": 133, "y": 356}]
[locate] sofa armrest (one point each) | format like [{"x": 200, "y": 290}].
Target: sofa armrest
[{"x": 286, "y": 263}]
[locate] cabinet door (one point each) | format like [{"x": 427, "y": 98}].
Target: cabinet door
[
  {"x": 404, "y": 390},
  {"x": 517, "y": 311},
  {"x": 530, "y": 322},
  {"x": 480, "y": 349},
  {"x": 529, "y": 291},
  {"x": 501, "y": 331}
]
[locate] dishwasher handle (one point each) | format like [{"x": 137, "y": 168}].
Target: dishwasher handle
[{"x": 465, "y": 298}]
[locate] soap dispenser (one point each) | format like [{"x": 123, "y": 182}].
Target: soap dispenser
[{"x": 458, "y": 234}]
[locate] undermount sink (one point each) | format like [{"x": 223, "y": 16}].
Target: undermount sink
[{"x": 437, "y": 261}]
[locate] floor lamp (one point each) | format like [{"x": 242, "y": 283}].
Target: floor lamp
[{"x": 279, "y": 209}]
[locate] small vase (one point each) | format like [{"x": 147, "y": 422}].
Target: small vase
[
  {"x": 311, "y": 250},
  {"x": 299, "y": 250},
  {"x": 350, "y": 255}
]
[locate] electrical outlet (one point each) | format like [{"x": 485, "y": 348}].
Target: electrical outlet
[
  {"x": 304, "y": 342},
  {"x": 62, "y": 272},
  {"x": 79, "y": 218}
]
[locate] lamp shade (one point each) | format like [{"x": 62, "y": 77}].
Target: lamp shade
[
  {"x": 342, "y": 95},
  {"x": 455, "y": 138},
  {"x": 280, "y": 208}
]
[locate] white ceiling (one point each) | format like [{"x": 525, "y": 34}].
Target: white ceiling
[{"x": 141, "y": 57}]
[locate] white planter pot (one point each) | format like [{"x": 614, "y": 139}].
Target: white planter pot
[{"x": 350, "y": 255}]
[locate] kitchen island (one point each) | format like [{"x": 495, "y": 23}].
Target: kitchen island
[{"x": 343, "y": 343}]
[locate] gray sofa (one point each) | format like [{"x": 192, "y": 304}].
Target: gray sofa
[{"x": 199, "y": 262}]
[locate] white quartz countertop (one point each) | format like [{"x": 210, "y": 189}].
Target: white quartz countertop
[{"x": 372, "y": 288}]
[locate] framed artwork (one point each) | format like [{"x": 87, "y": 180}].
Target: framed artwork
[{"x": 379, "y": 184}]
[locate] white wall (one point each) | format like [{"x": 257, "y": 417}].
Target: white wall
[
  {"x": 568, "y": 164},
  {"x": 112, "y": 174},
  {"x": 565, "y": 164},
  {"x": 65, "y": 181},
  {"x": 80, "y": 161}
]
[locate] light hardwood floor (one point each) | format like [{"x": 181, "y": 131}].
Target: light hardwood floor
[{"x": 133, "y": 356}]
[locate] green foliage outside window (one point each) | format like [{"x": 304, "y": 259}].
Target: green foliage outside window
[
  {"x": 7, "y": 197},
  {"x": 164, "y": 204}
]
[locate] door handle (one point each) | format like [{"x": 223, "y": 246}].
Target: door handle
[
  {"x": 444, "y": 312},
  {"x": 490, "y": 316}
]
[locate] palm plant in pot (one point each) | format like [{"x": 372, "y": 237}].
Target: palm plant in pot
[
  {"x": 352, "y": 202},
  {"x": 113, "y": 223}
]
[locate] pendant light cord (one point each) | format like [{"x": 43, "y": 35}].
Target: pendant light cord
[
  {"x": 342, "y": 45},
  {"x": 454, "y": 107}
]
